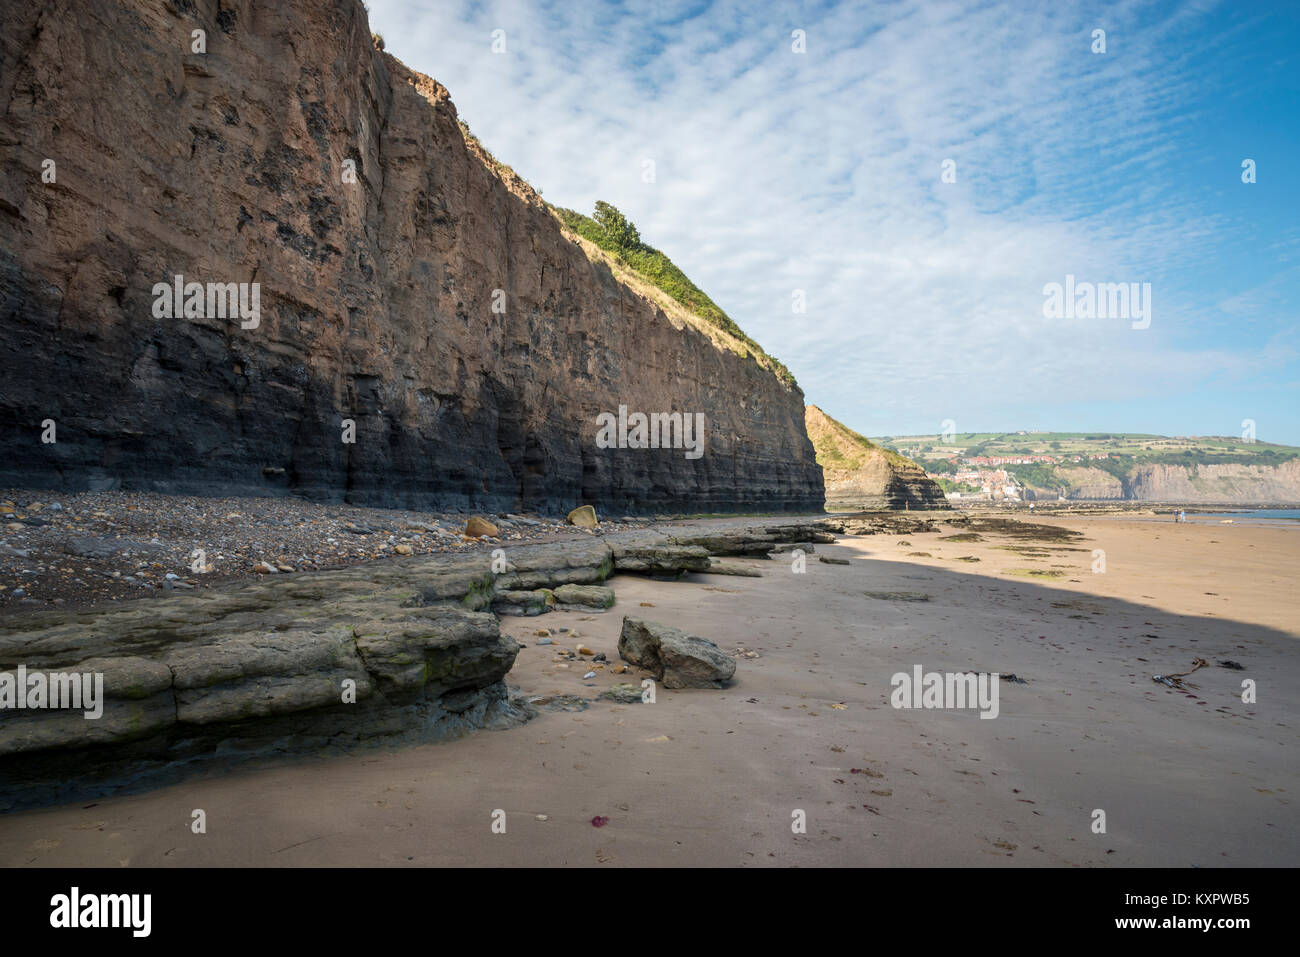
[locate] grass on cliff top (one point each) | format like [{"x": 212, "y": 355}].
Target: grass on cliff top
[
  {"x": 620, "y": 240},
  {"x": 839, "y": 447}
]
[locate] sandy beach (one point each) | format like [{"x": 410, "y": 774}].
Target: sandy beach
[{"x": 713, "y": 777}]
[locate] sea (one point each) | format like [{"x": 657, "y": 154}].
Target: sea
[{"x": 1252, "y": 515}]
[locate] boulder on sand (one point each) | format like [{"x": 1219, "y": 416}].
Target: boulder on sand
[{"x": 675, "y": 658}]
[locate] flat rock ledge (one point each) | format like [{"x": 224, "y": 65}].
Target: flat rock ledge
[
  {"x": 760, "y": 542},
  {"x": 394, "y": 652}
]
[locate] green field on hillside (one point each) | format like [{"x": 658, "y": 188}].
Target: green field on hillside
[{"x": 1191, "y": 450}]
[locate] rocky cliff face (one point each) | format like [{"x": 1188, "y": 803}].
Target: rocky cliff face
[
  {"x": 434, "y": 302},
  {"x": 861, "y": 475},
  {"x": 1088, "y": 484},
  {"x": 1201, "y": 485},
  {"x": 1216, "y": 484}
]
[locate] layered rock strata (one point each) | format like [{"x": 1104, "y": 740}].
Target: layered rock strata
[{"x": 424, "y": 333}]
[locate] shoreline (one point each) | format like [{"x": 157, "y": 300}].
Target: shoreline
[
  {"x": 89, "y": 548},
  {"x": 711, "y": 777}
]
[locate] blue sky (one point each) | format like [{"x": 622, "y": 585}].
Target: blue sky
[{"x": 821, "y": 171}]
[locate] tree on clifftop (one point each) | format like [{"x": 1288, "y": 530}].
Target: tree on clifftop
[{"x": 617, "y": 226}]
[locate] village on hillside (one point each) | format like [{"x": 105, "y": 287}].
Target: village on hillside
[{"x": 986, "y": 477}]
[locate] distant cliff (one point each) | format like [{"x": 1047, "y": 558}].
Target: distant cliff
[
  {"x": 861, "y": 475},
  {"x": 409, "y": 285},
  {"x": 1230, "y": 484}
]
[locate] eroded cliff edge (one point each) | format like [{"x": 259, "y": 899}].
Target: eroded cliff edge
[
  {"x": 376, "y": 296},
  {"x": 1202, "y": 484},
  {"x": 861, "y": 475}
]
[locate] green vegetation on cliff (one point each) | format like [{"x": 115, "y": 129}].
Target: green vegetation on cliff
[
  {"x": 839, "y": 447},
  {"x": 861, "y": 474},
  {"x": 615, "y": 234},
  {"x": 619, "y": 239}
]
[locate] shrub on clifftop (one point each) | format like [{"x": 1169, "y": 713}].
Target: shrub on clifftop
[{"x": 617, "y": 227}]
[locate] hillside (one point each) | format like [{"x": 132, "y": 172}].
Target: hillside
[
  {"x": 861, "y": 475},
  {"x": 1118, "y": 466},
  {"x": 427, "y": 333}
]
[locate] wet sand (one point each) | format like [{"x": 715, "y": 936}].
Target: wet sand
[{"x": 706, "y": 777}]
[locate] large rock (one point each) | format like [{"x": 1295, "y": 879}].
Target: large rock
[
  {"x": 786, "y": 547},
  {"x": 886, "y": 523},
  {"x": 480, "y": 528},
  {"x": 376, "y": 296},
  {"x": 537, "y": 601},
  {"x": 586, "y": 596},
  {"x": 677, "y": 659},
  {"x": 584, "y": 516},
  {"x": 736, "y": 544},
  {"x": 138, "y": 702}
]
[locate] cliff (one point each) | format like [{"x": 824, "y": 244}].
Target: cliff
[
  {"x": 435, "y": 302},
  {"x": 1086, "y": 484},
  {"x": 1216, "y": 484},
  {"x": 1208, "y": 484},
  {"x": 861, "y": 475}
]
